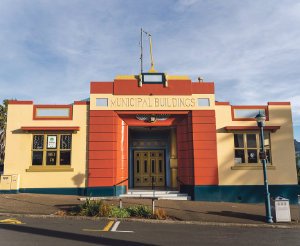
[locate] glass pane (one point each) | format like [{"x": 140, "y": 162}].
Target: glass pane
[
  {"x": 267, "y": 140},
  {"x": 51, "y": 158},
  {"x": 251, "y": 140},
  {"x": 65, "y": 141},
  {"x": 238, "y": 141},
  {"x": 239, "y": 156},
  {"x": 160, "y": 166},
  {"x": 268, "y": 153},
  {"x": 153, "y": 166},
  {"x": 37, "y": 157},
  {"x": 65, "y": 157},
  {"x": 203, "y": 102},
  {"x": 38, "y": 141},
  {"x": 145, "y": 167},
  {"x": 102, "y": 102},
  {"x": 247, "y": 113},
  {"x": 137, "y": 166},
  {"x": 252, "y": 156},
  {"x": 52, "y": 112}
]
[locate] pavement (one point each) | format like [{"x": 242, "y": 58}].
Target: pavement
[{"x": 186, "y": 211}]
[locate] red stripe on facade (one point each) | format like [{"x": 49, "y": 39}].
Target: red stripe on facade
[
  {"x": 251, "y": 128},
  {"x": 50, "y": 128},
  {"x": 19, "y": 102},
  {"x": 108, "y": 149},
  {"x": 175, "y": 87},
  {"x": 279, "y": 103},
  {"x": 248, "y": 107},
  {"x": 222, "y": 103},
  {"x": 81, "y": 103},
  {"x": 101, "y": 87},
  {"x": 203, "y": 88},
  {"x": 48, "y": 106},
  {"x": 204, "y": 159}
]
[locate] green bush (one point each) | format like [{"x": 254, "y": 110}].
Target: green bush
[
  {"x": 91, "y": 207},
  {"x": 117, "y": 212},
  {"x": 98, "y": 208},
  {"x": 139, "y": 211}
]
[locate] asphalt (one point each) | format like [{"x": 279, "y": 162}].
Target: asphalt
[{"x": 186, "y": 211}]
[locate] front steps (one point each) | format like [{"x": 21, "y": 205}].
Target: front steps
[{"x": 160, "y": 194}]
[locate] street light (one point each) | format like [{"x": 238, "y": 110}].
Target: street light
[{"x": 260, "y": 119}]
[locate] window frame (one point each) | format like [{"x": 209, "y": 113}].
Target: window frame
[
  {"x": 258, "y": 147},
  {"x": 48, "y": 167}
]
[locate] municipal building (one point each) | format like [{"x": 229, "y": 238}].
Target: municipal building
[{"x": 146, "y": 131}]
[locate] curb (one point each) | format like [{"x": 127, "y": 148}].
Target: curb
[{"x": 203, "y": 223}]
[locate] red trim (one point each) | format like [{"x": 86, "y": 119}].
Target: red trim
[
  {"x": 203, "y": 88},
  {"x": 50, "y": 128},
  {"x": 19, "y": 102},
  {"x": 248, "y": 107},
  {"x": 222, "y": 103},
  {"x": 279, "y": 103},
  {"x": 151, "y": 112},
  {"x": 251, "y": 128},
  {"x": 81, "y": 103},
  {"x": 102, "y": 87},
  {"x": 35, "y": 107}
]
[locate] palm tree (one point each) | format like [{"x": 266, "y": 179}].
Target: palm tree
[{"x": 3, "y": 119}]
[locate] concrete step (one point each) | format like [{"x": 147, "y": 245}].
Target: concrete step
[
  {"x": 153, "y": 195},
  {"x": 140, "y": 192},
  {"x": 179, "y": 198},
  {"x": 160, "y": 194}
]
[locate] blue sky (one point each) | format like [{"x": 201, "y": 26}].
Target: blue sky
[{"x": 51, "y": 50}]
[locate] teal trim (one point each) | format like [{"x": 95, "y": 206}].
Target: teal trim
[
  {"x": 242, "y": 193},
  {"x": 9, "y": 191},
  {"x": 58, "y": 191},
  {"x": 106, "y": 191},
  {"x": 89, "y": 191},
  {"x": 119, "y": 190}
]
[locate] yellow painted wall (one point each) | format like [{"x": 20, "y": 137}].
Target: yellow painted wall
[
  {"x": 282, "y": 149},
  {"x": 19, "y": 144}
]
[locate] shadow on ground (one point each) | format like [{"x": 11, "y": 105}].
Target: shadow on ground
[
  {"x": 69, "y": 235},
  {"x": 239, "y": 215}
]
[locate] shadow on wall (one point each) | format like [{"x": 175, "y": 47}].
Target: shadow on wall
[{"x": 78, "y": 179}]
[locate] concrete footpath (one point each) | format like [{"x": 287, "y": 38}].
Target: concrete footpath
[{"x": 210, "y": 212}]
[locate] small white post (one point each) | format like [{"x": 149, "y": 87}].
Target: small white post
[
  {"x": 153, "y": 205},
  {"x": 120, "y": 203}
]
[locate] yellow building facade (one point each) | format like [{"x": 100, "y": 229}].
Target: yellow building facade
[{"x": 133, "y": 133}]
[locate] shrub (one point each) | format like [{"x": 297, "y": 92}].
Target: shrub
[
  {"x": 105, "y": 210},
  {"x": 119, "y": 212},
  {"x": 91, "y": 207},
  {"x": 160, "y": 214},
  {"x": 139, "y": 211}
]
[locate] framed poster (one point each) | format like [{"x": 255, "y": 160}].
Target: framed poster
[{"x": 51, "y": 142}]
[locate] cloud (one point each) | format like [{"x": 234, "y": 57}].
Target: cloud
[{"x": 51, "y": 50}]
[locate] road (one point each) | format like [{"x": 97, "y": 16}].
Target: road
[{"x": 73, "y": 231}]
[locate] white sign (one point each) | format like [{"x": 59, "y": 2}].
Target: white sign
[{"x": 51, "y": 142}]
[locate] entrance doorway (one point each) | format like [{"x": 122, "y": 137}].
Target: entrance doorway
[{"x": 149, "y": 165}]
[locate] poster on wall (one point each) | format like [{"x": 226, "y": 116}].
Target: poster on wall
[{"x": 51, "y": 142}]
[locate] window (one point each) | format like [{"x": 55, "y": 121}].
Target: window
[
  {"x": 102, "y": 102},
  {"x": 247, "y": 147},
  {"x": 203, "y": 102},
  {"x": 51, "y": 150}
]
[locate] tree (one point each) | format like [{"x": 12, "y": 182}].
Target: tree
[{"x": 3, "y": 120}]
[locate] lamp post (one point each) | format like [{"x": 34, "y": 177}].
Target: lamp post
[{"x": 260, "y": 119}]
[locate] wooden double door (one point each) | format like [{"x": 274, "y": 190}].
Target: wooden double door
[{"x": 149, "y": 165}]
